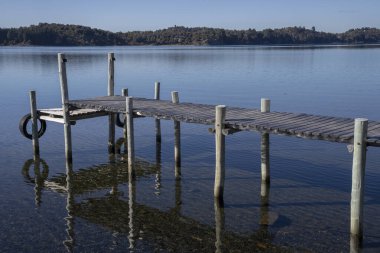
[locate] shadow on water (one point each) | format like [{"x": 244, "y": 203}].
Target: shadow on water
[{"x": 125, "y": 217}]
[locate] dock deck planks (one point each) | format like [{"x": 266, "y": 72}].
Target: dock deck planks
[{"x": 303, "y": 125}]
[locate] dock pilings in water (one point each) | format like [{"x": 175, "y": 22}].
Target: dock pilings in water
[{"x": 220, "y": 130}]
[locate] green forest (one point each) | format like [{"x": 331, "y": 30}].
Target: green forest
[{"x": 45, "y": 34}]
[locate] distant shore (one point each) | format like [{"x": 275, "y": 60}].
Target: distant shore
[{"x": 45, "y": 34}]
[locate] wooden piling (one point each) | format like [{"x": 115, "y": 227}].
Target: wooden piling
[
  {"x": 358, "y": 172},
  {"x": 130, "y": 135},
  {"x": 265, "y": 168},
  {"x": 33, "y": 113},
  {"x": 124, "y": 93},
  {"x": 157, "y": 90},
  {"x": 220, "y": 115},
  {"x": 111, "y": 74},
  {"x": 177, "y": 139},
  {"x": 111, "y": 92},
  {"x": 65, "y": 106}
]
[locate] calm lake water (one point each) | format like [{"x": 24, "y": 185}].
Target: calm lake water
[{"x": 309, "y": 203}]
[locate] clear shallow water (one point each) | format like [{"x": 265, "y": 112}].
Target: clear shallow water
[{"x": 310, "y": 180}]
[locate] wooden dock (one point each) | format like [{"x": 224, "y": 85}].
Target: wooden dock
[
  {"x": 358, "y": 132},
  {"x": 303, "y": 125}
]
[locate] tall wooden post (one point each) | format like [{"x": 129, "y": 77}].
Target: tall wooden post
[
  {"x": 33, "y": 113},
  {"x": 158, "y": 143},
  {"x": 111, "y": 92},
  {"x": 220, "y": 116},
  {"x": 157, "y": 121},
  {"x": 265, "y": 169},
  {"x": 65, "y": 106},
  {"x": 177, "y": 139},
  {"x": 157, "y": 90},
  {"x": 124, "y": 93},
  {"x": 358, "y": 172},
  {"x": 130, "y": 135}
]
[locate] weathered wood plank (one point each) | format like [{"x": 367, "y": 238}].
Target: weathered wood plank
[{"x": 295, "y": 124}]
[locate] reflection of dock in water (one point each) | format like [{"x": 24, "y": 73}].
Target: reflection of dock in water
[
  {"x": 99, "y": 177},
  {"x": 168, "y": 230}
]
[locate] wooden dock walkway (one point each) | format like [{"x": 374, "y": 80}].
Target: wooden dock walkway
[
  {"x": 303, "y": 125},
  {"x": 359, "y": 132}
]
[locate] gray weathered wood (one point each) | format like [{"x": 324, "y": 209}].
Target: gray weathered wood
[
  {"x": 111, "y": 92},
  {"x": 177, "y": 139},
  {"x": 130, "y": 135},
  {"x": 265, "y": 105},
  {"x": 358, "y": 172},
  {"x": 220, "y": 115},
  {"x": 265, "y": 168},
  {"x": 157, "y": 90},
  {"x": 65, "y": 106},
  {"x": 34, "y": 115},
  {"x": 124, "y": 93},
  {"x": 111, "y": 74},
  {"x": 291, "y": 124}
]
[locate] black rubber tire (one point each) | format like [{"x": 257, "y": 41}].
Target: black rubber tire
[
  {"x": 118, "y": 121},
  {"x": 23, "y": 126}
]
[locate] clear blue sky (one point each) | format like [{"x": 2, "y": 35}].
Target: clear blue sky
[{"x": 125, "y": 15}]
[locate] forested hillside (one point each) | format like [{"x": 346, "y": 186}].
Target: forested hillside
[{"x": 76, "y": 35}]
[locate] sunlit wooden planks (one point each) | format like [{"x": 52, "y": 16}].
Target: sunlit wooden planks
[{"x": 336, "y": 129}]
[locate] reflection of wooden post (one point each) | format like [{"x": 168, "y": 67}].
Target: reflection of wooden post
[
  {"x": 219, "y": 152},
  {"x": 131, "y": 201},
  {"x": 38, "y": 180},
  {"x": 265, "y": 169},
  {"x": 355, "y": 244},
  {"x": 124, "y": 93},
  {"x": 111, "y": 92},
  {"x": 358, "y": 171},
  {"x": 177, "y": 139},
  {"x": 219, "y": 226},
  {"x": 65, "y": 106},
  {"x": 178, "y": 197},
  {"x": 264, "y": 208},
  {"x": 33, "y": 112},
  {"x": 130, "y": 135},
  {"x": 69, "y": 242}
]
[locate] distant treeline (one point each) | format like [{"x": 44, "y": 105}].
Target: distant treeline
[{"x": 45, "y": 34}]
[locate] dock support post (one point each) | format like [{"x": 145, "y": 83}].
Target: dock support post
[
  {"x": 65, "y": 106},
  {"x": 157, "y": 90},
  {"x": 158, "y": 122},
  {"x": 358, "y": 171},
  {"x": 177, "y": 140},
  {"x": 265, "y": 168},
  {"x": 158, "y": 143},
  {"x": 124, "y": 93},
  {"x": 130, "y": 135},
  {"x": 33, "y": 113},
  {"x": 111, "y": 92},
  {"x": 220, "y": 116}
]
